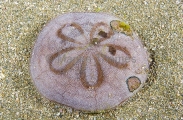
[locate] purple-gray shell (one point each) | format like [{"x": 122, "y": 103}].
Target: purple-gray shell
[{"x": 88, "y": 61}]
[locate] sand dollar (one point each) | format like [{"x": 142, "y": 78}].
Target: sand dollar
[{"x": 88, "y": 61}]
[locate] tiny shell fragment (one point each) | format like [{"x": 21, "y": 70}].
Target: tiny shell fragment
[
  {"x": 120, "y": 26},
  {"x": 133, "y": 83}
]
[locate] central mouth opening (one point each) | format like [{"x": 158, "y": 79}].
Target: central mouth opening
[{"x": 94, "y": 42}]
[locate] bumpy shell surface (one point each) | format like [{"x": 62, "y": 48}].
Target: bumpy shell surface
[{"x": 88, "y": 62}]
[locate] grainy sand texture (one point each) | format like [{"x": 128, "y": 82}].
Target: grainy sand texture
[{"x": 158, "y": 22}]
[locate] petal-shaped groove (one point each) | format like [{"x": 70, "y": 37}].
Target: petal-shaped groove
[
  {"x": 113, "y": 62},
  {"x": 117, "y": 47},
  {"x": 66, "y": 38},
  {"x": 67, "y": 66},
  {"x": 100, "y": 76},
  {"x": 101, "y": 33}
]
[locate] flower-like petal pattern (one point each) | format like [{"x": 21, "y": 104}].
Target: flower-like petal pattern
[
  {"x": 88, "y": 61},
  {"x": 100, "y": 76},
  {"x": 68, "y": 66},
  {"x": 93, "y": 41},
  {"x": 67, "y": 38},
  {"x": 104, "y": 36}
]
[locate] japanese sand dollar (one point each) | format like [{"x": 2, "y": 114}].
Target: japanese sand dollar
[{"x": 88, "y": 61}]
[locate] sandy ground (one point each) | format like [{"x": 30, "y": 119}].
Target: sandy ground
[{"x": 159, "y": 24}]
